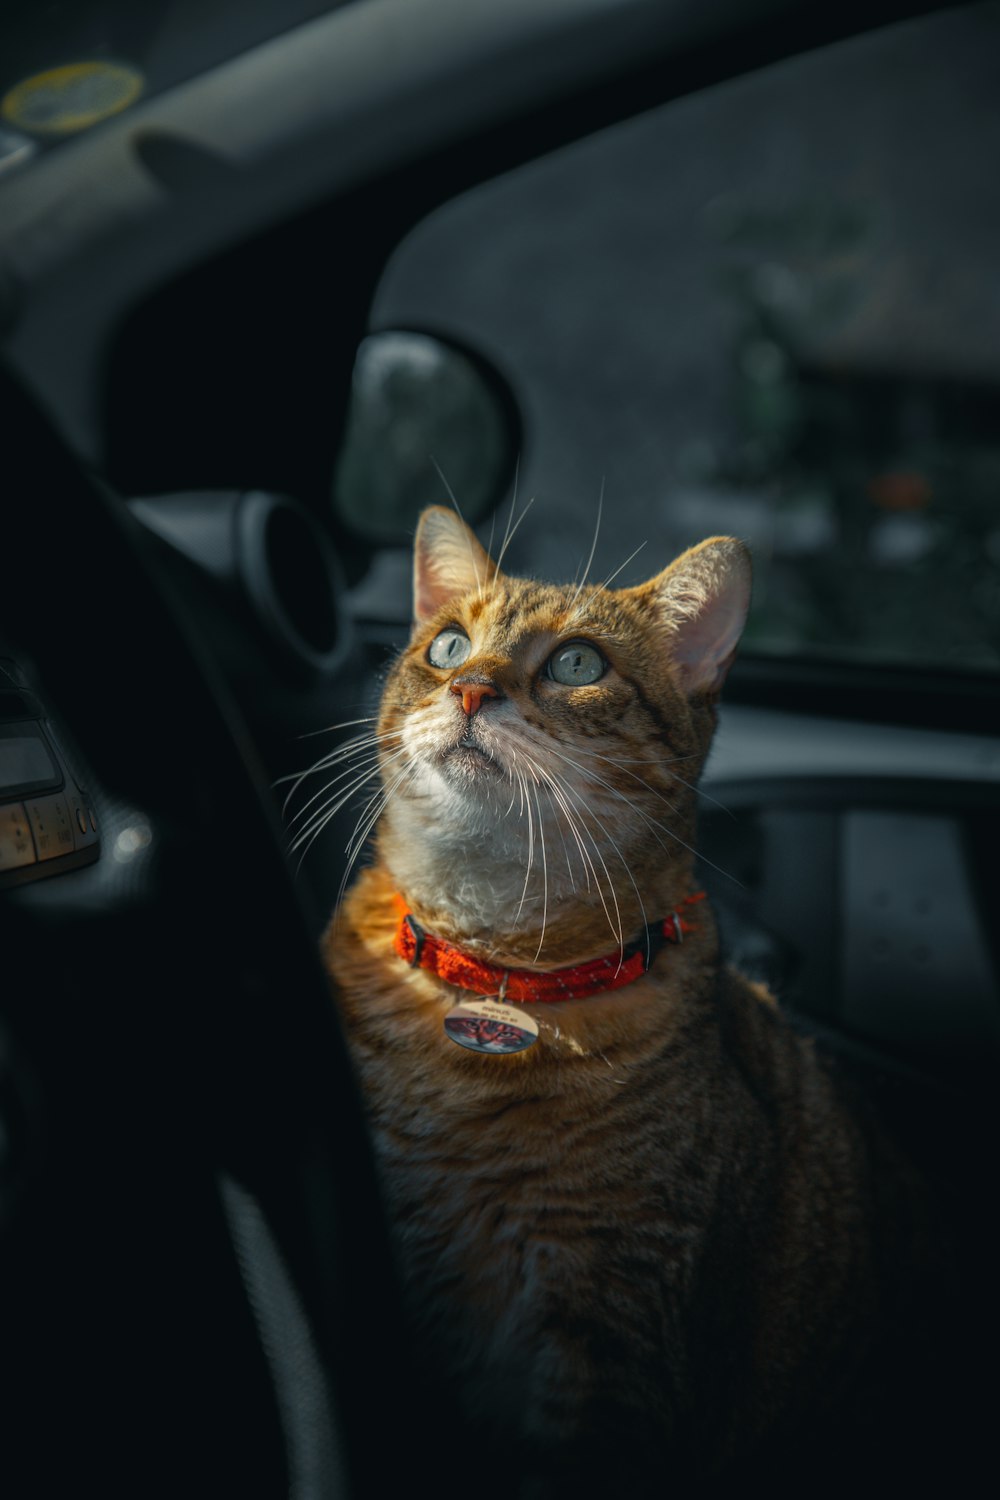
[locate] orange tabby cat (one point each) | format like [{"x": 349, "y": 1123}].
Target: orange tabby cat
[{"x": 641, "y": 1244}]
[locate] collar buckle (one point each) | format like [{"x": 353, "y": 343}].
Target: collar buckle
[{"x": 418, "y": 937}]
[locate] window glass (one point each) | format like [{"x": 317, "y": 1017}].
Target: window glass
[{"x": 770, "y": 309}]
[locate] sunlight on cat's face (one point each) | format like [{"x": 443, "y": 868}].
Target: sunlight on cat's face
[
  {"x": 519, "y": 704},
  {"x": 539, "y": 745},
  {"x": 529, "y": 694}
]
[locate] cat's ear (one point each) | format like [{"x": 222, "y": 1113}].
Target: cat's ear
[
  {"x": 447, "y": 561},
  {"x": 704, "y": 597}
]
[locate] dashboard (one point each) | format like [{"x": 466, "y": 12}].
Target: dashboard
[{"x": 48, "y": 824}]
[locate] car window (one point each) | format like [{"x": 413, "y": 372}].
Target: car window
[{"x": 769, "y": 309}]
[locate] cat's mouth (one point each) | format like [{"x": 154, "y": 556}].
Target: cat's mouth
[{"x": 470, "y": 756}]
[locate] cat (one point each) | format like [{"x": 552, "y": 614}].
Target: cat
[{"x": 641, "y": 1232}]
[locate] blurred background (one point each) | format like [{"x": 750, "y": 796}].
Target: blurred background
[{"x": 770, "y": 309}]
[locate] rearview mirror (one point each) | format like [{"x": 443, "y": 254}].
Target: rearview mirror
[{"x": 427, "y": 419}]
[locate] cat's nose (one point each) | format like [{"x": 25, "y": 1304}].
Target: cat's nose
[{"x": 472, "y": 693}]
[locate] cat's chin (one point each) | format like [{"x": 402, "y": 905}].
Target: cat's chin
[{"x": 469, "y": 761}]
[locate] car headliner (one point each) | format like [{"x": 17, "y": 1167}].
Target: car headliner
[{"x": 358, "y": 95}]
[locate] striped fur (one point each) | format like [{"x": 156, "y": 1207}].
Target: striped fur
[{"x": 643, "y": 1246}]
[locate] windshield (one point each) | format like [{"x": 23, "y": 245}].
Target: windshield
[{"x": 770, "y": 309}]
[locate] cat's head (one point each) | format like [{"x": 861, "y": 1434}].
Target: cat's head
[{"x": 541, "y": 742}]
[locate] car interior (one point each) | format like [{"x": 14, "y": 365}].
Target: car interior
[{"x": 613, "y": 275}]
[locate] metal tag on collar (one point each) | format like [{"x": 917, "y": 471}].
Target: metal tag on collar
[{"x": 491, "y": 1025}]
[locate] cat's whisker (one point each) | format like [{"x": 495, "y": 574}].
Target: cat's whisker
[
  {"x": 352, "y": 770},
  {"x": 309, "y": 734},
  {"x": 705, "y": 796},
  {"x": 346, "y": 751},
  {"x": 590, "y": 558},
  {"x": 371, "y": 812},
  {"x": 510, "y": 513},
  {"x": 616, "y": 927},
  {"x": 664, "y": 766},
  {"x": 548, "y": 786},
  {"x": 558, "y": 804},
  {"x": 620, "y": 569},
  {"x": 323, "y": 815},
  {"x": 635, "y": 777},
  {"x": 325, "y": 811},
  {"x": 652, "y": 823},
  {"x": 388, "y": 793},
  {"x": 654, "y": 826},
  {"x": 465, "y": 528},
  {"x": 308, "y": 836},
  {"x": 367, "y": 818},
  {"x": 546, "y": 777},
  {"x": 513, "y": 789},
  {"x": 545, "y": 875},
  {"x": 570, "y": 791},
  {"x": 628, "y": 871},
  {"x": 321, "y": 818},
  {"x": 351, "y": 746},
  {"x": 637, "y": 760},
  {"x": 598, "y": 588},
  {"x": 531, "y": 852},
  {"x": 562, "y": 837},
  {"x": 489, "y": 544},
  {"x": 615, "y": 791},
  {"x": 339, "y": 752},
  {"x": 567, "y": 812},
  {"x": 510, "y": 537}
]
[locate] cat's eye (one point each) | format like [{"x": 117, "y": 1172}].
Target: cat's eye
[
  {"x": 449, "y": 649},
  {"x": 576, "y": 665}
]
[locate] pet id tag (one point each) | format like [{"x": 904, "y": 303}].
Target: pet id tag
[{"x": 490, "y": 1025}]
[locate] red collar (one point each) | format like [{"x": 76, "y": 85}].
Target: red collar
[{"x": 422, "y": 950}]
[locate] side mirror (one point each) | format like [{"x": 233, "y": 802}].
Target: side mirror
[{"x": 426, "y": 417}]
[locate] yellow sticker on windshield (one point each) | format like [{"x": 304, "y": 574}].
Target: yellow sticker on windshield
[{"x": 73, "y": 97}]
